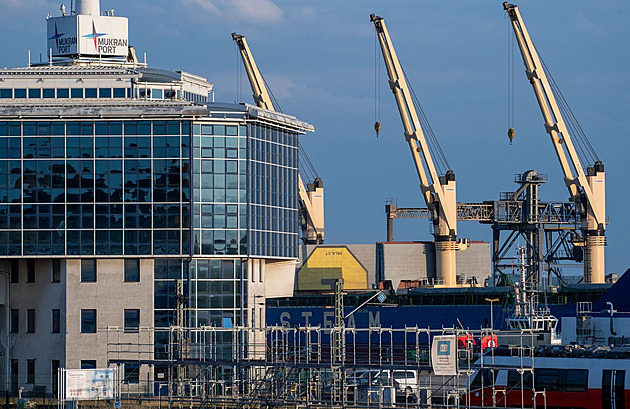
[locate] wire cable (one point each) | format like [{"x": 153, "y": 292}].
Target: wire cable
[
  {"x": 274, "y": 101},
  {"x": 585, "y": 150},
  {"x": 441, "y": 163}
]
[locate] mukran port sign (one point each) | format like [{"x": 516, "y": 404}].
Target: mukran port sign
[
  {"x": 444, "y": 355},
  {"x": 101, "y": 36}
]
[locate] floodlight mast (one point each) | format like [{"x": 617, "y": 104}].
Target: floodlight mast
[
  {"x": 587, "y": 189},
  {"x": 311, "y": 203},
  {"x": 438, "y": 191}
]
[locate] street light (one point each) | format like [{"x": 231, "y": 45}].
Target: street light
[{"x": 492, "y": 300}]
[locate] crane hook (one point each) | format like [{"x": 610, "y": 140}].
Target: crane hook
[
  {"x": 511, "y": 134},
  {"x": 377, "y": 127}
]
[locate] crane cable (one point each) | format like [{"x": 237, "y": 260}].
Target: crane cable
[
  {"x": 583, "y": 146},
  {"x": 377, "y": 86},
  {"x": 307, "y": 170},
  {"x": 510, "y": 81},
  {"x": 440, "y": 161},
  {"x": 239, "y": 76}
]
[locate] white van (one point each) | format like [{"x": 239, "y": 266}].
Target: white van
[{"x": 407, "y": 380}]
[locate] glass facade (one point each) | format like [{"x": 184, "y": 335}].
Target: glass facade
[
  {"x": 220, "y": 189},
  {"x": 199, "y": 197},
  {"x": 273, "y": 190},
  {"x": 94, "y": 188}
]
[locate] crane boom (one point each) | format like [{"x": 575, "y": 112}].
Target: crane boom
[
  {"x": 261, "y": 95},
  {"x": 438, "y": 192},
  {"x": 311, "y": 204},
  {"x": 587, "y": 188}
]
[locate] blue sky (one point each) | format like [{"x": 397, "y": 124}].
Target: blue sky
[{"x": 319, "y": 59}]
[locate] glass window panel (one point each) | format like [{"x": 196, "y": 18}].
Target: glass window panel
[
  {"x": 159, "y": 128},
  {"x": 90, "y": 93},
  {"x": 88, "y": 271},
  {"x": 132, "y": 270},
  {"x": 231, "y": 130},
  {"x": 144, "y": 128},
  {"x": 19, "y": 93},
  {"x": 105, "y": 93},
  {"x": 34, "y": 93},
  {"x": 131, "y": 320},
  {"x": 119, "y": 92},
  {"x": 88, "y": 321},
  {"x": 76, "y": 92},
  {"x": 206, "y": 130},
  {"x": 63, "y": 93}
]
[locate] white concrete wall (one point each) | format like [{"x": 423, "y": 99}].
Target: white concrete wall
[
  {"x": 110, "y": 296},
  {"x": 256, "y": 317},
  {"x": 43, "y": 346},
  {"x": 279, "y": 279}
]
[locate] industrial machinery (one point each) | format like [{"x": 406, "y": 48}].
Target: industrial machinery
[
  {"x": 587, "y": 190},
  {"x": 438, "y": 191},
  {"x": 311, "y": 203}
]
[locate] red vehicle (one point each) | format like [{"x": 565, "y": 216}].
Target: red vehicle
[{"x": 555, "y": 377}]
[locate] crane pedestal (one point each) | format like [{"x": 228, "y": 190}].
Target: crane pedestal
[
  {"x": 594, "y": 272},
  {"x": 445, "y": 265}
]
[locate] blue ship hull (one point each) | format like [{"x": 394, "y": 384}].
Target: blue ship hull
[{"x": 473, "y": 316}]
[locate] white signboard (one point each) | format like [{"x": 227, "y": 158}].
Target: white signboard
[
  {"x": 89, "y": 384},
  {"x": 88, "y": 35},
  {"x": 444, "y": 355}
]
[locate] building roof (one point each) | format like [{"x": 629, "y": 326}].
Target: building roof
[
  {"x": 72, "y": 70},
  {"x": 139, "y": 109}
]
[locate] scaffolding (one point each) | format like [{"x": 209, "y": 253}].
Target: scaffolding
[{"x": 300, "y": 366}]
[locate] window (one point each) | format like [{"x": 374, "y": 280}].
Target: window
[
  {"x": 6, "y": 93},
  {"x": 132, "y": 373},
  {"x": 56, "y": 271},
  {"x": 63, "y": 93},
  {"x": 88, "y": 271},
  {"x": 132, "y": 320},
  {"x": 55, "y": 364},
  {"x": 105, "y": 93},
  {"x": 514, "y": 380},
  {"x": 76, "y": 92},
  {"x": 15, "y": 271},
  {"x": 34, "y": 93},
  {"x": 30, "y": 271},
  {"x": 49, "y": 92},
  {"x": 132, "y": 270},
  {"x": 119, "y": 92},
  {"x": 90, "y": 92},
  {"x": 30, "y": 371},
  {"x": 88, "y": 364},
  {"x": 15, "y": 321},
  {"x": 88, "y": 321},
  {"x": 483, "y": 379},
  {"x": 30, "y": 321},
  {"x": 56, "y": 321},
  {"x": 19, "y": 93},
  {"x": 577, "y": 380},
  {"x": 548, "y": 379}
]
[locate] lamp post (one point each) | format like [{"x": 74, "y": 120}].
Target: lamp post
[{"x": 492, "y": 300}]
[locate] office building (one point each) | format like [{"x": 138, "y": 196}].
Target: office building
[{"x": 125, "y": 196}]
